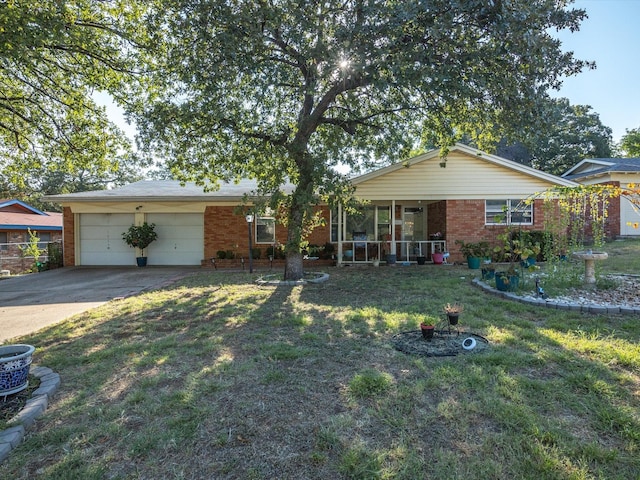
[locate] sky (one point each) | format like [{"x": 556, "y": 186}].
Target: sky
[{"x": 611, "y": 38}]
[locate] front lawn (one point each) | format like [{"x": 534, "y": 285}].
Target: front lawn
[{"x": 218, "y": 378}]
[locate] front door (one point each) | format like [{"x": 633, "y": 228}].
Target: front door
[{"x": 413, "y": 231}]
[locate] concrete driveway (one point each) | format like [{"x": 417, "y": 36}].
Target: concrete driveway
[{"x": 31, "y": 302}]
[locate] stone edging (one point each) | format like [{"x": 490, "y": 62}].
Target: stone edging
[
  {"x": 318, "y": 277},
  {"x": 558, "y": 305},
  {"x": 36, "y": 405}
]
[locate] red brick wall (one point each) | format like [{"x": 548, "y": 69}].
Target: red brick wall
[
  {"x": 224, "y": 230},
  {"x": 612, "y": 223},
  {"x": 68, "y": 241},
  {"x": 437, "y": 218},
  {"x": 11, "y": 257},
  {"x": 465, "y": 221}
]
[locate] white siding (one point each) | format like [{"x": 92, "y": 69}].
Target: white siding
[{"x": 464, "y": 177}]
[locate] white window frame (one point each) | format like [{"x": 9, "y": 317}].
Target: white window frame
[{"x": 508, "y": 209}]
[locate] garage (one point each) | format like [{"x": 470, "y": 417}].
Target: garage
[
  {"x": 101, "y": 239},
  {"x": 180, "y": 239}
]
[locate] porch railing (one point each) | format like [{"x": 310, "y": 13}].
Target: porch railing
[{"x": 365, "y": 251}]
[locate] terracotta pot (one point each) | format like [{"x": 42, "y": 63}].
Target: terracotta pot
[{"x": 427, "y": 330}]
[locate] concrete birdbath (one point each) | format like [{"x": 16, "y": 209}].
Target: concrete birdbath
[{"x": 590, "y": 258}]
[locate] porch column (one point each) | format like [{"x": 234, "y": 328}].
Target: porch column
[
  {"x": 340, "y": 235},
  {"x": 393, "y": 227}
]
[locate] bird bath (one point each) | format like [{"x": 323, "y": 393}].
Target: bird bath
[{"x": 590, "y": 258}]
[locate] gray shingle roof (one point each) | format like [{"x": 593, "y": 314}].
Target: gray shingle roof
[{"x": 164, "y": 190}]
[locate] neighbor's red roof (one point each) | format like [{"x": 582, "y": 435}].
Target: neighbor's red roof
[{"x": 15, "y": 215}]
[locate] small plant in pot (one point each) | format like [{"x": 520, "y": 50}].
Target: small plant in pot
[
  {"x": 453, "y": 311},
  {"x": 140, "y": 236},
  {"x": 427, "y": 328},
  {"x": 474, "y": 252}
]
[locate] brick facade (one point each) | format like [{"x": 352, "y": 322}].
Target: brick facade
[
  {"x": 466, "y": 222},
  {"x": 68, "y": 243},
  {"x": 227, "y": 231},
  {"x": 11, "y": 256}
]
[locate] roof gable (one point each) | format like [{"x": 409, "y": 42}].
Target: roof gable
[
  {"x": 599, "y": 167},
  {"x": 469, "y": 174},
  {"x": 16, "y": 206}
]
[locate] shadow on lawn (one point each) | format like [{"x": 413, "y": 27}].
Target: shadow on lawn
[{"x": 216, "y": 377}]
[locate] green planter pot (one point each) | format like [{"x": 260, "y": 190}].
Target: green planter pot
[
  {"x": 474, "y": 262},
  {"x": 507, "y": 283},
  {"x": 488, "y": 273}
]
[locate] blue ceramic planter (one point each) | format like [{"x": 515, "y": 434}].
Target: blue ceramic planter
[{"x": 15, "y": 361}]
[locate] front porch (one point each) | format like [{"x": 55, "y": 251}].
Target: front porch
[{"x": 393, "y": 231}]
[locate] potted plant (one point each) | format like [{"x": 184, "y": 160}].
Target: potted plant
[
  {"x": 474, "y": 252},
  {"x": 427, "y": 330},
  {"x": 453, "y": 311},
  {"x": 140, "y": 236},
  {"x": 437, "y": 256}
]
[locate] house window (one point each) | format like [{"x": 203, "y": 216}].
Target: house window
[
  {"x": 3, "y": 241},
  {"x": 265, "y": 230},
  {"x": 45, "y": 238},
  {"x": 508, "y": 212}
]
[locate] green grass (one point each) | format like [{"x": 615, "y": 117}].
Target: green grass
[{"x": 216, "y": 377}]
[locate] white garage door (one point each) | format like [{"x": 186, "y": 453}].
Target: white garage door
[
  {"x": 180, "y": 239},
  {"x": 101, "y": 239}
]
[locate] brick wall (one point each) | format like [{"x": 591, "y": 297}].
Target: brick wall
[
  {"x": 68, "y": 242},
  {"x": 465, "y": 221},
  {"x": 11, "y": 256},
  {"x": 224, "y": 230},
  {"x": 437, "y": 217}
]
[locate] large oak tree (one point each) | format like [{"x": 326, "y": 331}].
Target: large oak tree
[
  {"x": 54, "y": 54},
  {"x": 283, "y": 90}
]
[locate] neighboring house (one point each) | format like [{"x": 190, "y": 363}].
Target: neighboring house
[
  {"x": 613, "y": 171},
  {"x": 16, "y": 219},
  {"x": 409, "y": 202}
]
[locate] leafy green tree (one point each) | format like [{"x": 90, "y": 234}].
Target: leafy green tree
[
  {"x": 568, "y": 134},
  {"x": 289, "y": 90},
  {"x": 53, "y": 56},
  {"x": 630, "y": 143}
]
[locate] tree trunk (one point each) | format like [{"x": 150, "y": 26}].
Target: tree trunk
[{"x": 294, "y": 268}]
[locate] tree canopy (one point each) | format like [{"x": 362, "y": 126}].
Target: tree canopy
[
  {"x": 289, "y": 90},
  {"x": 569, "y": 134},
  {"x": 54, "y": 55},
  {"x": 630, "y": 143}
]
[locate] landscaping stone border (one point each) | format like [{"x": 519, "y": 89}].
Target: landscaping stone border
[
  {"x": 35, "y": 406},
  {"x": 558, "y": 305}
]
